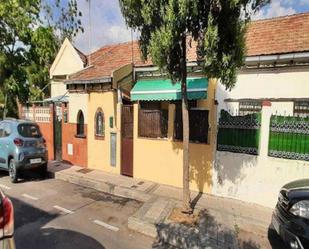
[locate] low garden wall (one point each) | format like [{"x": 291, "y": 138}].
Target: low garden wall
[{"x": 282, "y": 156}]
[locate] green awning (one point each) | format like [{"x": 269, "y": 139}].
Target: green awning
[{"x": 164, "y": 89}]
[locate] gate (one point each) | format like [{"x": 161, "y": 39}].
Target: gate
[
  {"x": 58, "y": 131},
  {"x": 127, "y": 140}
]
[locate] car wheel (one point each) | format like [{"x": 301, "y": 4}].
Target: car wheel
[{"x": 13, "y": 171}]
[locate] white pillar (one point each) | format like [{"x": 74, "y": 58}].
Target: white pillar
[{"x": 265, "y": 126}]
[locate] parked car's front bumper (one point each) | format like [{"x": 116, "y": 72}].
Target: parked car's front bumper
[{"x": 291, "y": 230}]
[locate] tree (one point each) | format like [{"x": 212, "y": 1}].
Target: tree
[
  {"x": 218, "y": 27},
  {"x": 31, "y": 32}
]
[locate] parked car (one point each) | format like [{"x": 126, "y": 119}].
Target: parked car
[
  {"x": 291, "y": 216},
  {"x": 6, "y": 223},
  {"x": 22, "y": 147}
]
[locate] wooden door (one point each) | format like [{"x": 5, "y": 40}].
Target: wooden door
[{"x": 127, "y": 140}]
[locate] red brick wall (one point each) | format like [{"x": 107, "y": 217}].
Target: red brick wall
[
  {"x": 47, "y": 127},
  {"x": 48, "y": 134},
  {"x": 79, "y": 156}
]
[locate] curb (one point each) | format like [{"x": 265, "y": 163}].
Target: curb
[{"x": 102, "y": 186}]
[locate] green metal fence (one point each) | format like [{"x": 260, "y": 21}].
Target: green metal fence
[
  {"x": 239, "y": 134},
  {"x": 289, "y": 137}
]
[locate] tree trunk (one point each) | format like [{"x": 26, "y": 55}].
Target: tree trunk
[
  {"x": 5, "y": 105},
  {"x": 185, "y": 124}
]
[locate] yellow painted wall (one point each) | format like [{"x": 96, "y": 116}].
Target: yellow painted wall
[
  {"x": 161, "y": 160},
  {"x": 78, "y": 101},
  {"x": 99, "y": 150}
]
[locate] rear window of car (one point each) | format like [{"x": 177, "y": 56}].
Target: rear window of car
[{"x": 29, "y": 130}]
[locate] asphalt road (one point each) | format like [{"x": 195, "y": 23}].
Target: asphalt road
[{"x": 54, "y": 214}]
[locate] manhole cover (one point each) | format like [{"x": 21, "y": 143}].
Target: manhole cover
[{"x": 84, "y": 171}]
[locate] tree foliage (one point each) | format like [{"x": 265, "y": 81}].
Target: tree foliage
[
  {"x": 218, "y": 26},
  {"x": 31, "y": 32}
]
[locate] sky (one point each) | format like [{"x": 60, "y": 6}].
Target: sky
[{"x": 108, "y": 25}]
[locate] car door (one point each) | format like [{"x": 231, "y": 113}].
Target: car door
[
  {"x": 5, "y": 142},
  {"x": 2, "y": 146}
]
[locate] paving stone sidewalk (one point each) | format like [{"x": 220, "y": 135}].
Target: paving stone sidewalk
[{"x": 224, "y": 216}]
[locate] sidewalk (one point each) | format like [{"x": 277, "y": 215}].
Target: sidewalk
[{"x": 159, "y": 200}]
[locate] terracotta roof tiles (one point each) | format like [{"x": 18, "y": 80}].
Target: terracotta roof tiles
[
  {"x": 280, "y": 35},
  {"x": 265, "y": 37}
]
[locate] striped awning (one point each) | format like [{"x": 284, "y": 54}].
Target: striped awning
[{"x": 165, "y": 89}]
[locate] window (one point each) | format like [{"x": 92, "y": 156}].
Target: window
[
  {"x": 99, "y": 123},
  {"x": 80, "y": 124},
  {"x": 301, "y": 108},
  {"x": 198, "y": 125},
  {"x": 28, "y": 131},
  {"x": 249, "y": 107},
  {"x": 153, "y": 120}
]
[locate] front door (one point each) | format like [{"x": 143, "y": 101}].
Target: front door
[
  {"x": 58, "y": 131},
  {"x": 127, "y": 140}
]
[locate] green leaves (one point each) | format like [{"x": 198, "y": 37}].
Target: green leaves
[
  {"x": 31, "y": 32},
  {"x": 217, "y": 25}
]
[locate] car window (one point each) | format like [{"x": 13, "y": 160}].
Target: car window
[{"x": 29, "y": 130}]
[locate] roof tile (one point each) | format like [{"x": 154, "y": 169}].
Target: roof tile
[{"x": 264, "y": 37}]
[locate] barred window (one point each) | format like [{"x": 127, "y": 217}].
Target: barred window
[
  {"x": 249, "y": 107},
  {"x": 198, "y": 125},
  {"x": 99, "y": 123},
  {"x": 152, "y": 120},
  {"x": 301, "y": 108},
  {"x": 80, "y": 124}
]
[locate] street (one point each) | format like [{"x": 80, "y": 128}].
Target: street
[{"x": 54, "y": 214}]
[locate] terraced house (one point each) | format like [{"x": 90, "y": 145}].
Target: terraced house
[
  {"x": 273, "y": 87},
  {"x": 114, "y": 112}
]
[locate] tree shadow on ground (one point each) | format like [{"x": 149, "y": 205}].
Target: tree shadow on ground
[
  {"x": 107, "y": 198},
  {"x": 207, "y": 232},
  {"x": 213, "y": 233},
  {"x": 32, "y": 231}
]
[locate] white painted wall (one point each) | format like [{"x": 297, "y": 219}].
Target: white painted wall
[
  {"x": 67, "y": 62},
  {"x": 271, "y": 83},
  {"x": 78, "y": 101},
  {"x": 58, "y": 88},
  {"x": 253, "y": 178},
  {"x": 258, "y": 179}
]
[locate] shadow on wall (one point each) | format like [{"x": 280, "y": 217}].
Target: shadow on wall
[
  {"x": 230, "y": 166},
  {"x": 200, "y": 157},
  {"x": 201, "y": 166},
  {"x": 221, "y": 95},
  {"x": 31, "y": 231}
]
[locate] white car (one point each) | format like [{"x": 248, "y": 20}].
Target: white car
[{"x": 6, "y": 223}]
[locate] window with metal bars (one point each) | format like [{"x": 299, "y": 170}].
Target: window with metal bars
[
  {"x": 99, "y": 123},
  {"x": 301, "y": 109},
  {"x": 198, "y": 125},
  {"x": 152, "y": 120},
  {"x": 80, "y": 124},
  {"x": 249, "y": 107}
]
